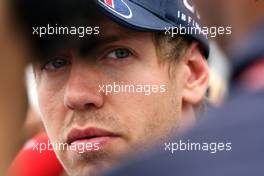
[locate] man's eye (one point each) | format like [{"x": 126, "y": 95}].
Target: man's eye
[
  {"x": 119, "y": 54},
  {"x": 55, "y": 63}
]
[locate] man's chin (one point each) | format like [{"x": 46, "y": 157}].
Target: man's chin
[
  {"x": 90, "y": 170},
  {"x": 89, "y": 163}
]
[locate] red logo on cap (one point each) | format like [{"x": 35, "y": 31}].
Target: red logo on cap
[
  {"x": 109, "y": 3},
  {"x": 119, "y": 7}
]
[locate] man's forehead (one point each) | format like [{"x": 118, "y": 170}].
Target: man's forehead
[
  {"x": 110, "y": 28},
  {"x": 110, "y": 32}
]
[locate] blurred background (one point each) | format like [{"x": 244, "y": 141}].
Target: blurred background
[{"x": 18, "y": 98}]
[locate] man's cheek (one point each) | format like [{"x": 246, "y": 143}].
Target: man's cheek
[
  {"x": 49, "y": 99},
  {"x": 52, "y": 126},
  {"x": 50, "y": 110},
  {"x": 44, "y": 104}
]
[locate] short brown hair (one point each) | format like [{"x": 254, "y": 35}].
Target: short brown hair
[{"x": 171, "y": 48}]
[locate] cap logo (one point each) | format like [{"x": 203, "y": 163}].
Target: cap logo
[
  {"x": 191, "y": 8},
  {"x": 118, "y": 6}
]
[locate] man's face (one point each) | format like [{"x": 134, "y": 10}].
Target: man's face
[{"x": 75, "y": 110}]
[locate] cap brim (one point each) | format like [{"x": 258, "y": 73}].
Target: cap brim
[
  {"x": 140, "y": 18},
  {"x": 143, "y": 20}
]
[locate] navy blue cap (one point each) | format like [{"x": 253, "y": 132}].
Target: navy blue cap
[{"x": 155, "y": 15}]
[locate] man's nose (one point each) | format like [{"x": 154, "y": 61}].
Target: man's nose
[{"x": 81, "y": 90}]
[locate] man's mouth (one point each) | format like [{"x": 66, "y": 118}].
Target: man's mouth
[{"x": 93, "y": 137}]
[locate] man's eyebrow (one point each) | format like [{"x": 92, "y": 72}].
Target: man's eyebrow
[
  {"x": 111, "y": 38},
  {"x": 88, "y": 46},
  {"x": 94, "y": 43},
  {"x": 99, "y": 41}
]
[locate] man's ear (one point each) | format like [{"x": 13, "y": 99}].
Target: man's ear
[{"x": 197, "y": 75}]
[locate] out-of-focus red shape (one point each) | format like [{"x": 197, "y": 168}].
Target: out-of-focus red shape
[
  {"x": 30, "y": 162},
  {"x": 252, "y": 78}
]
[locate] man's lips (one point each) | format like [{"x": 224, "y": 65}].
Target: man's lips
[{"x": 88, "y": 134}]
